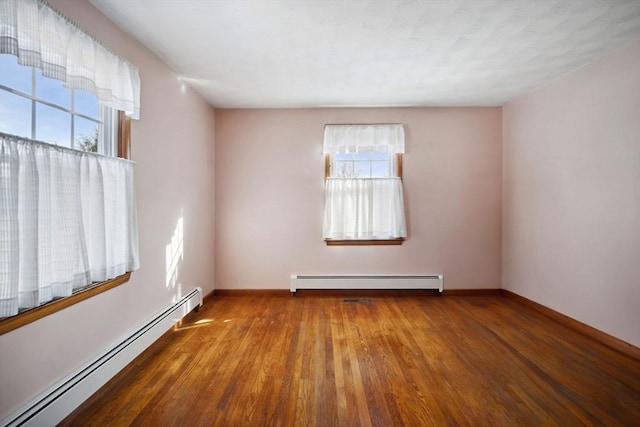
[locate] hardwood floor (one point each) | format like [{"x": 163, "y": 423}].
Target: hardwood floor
[{"x": 413, "y": 361}]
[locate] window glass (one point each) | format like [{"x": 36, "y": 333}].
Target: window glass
[
  {"x": 362, "y": 169},
  {"x": 13, "y": 75},
  {"x": 15, "y": 114},
  {"x": 85, "y": 103},
  {"x": 52, "y": 90},
  {"x": 362, "y": 165},
  {"x": 343, "y": 170},
  {"x": 381, "y": 169},
  {"x": 53, "y": 125},
  {"x": 384, "y": 156},
  {"x": 86, "y": 135}
]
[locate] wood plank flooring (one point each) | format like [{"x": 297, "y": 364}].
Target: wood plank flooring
[{"x": 404, "y": 361}]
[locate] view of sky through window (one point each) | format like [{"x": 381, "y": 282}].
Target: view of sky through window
[
  {"x": 37, "y": 107},
  {"x": 361, "y": 165}
]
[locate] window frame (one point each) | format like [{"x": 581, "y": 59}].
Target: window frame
[
  {"x": 27, "y": 316},
  {"x": 35, "y": 100},
  {"x": 364, "y": 242}
]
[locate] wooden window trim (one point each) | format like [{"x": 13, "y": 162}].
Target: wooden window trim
[
  {"x": 370, "y": 242},
  {"x": 14, "y": 322},
  {"x": 124, "y": 135},
  {"x": 363, "y": 242}
]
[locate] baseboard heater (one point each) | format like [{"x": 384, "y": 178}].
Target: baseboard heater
[
  {"x": 375, "y": 282},
  {"x": 60, "y": 400}
]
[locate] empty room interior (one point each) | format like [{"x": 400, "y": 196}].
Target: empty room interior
[{"x": 298, "y": 212}]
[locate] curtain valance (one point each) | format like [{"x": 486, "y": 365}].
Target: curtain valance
[
  {"x": 358, "y": 138},
  {"x": 43, "y": 38}
]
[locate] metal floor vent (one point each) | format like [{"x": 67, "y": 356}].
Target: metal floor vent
[{"x": 356, "y": 301}]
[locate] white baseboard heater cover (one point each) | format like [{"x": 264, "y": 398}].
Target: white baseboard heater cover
[
  {"x": 60, "y": 400},
  {"x": 376, "y": 281}
]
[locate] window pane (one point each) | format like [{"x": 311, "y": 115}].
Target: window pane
[
  {"x": 380, "y": 169},
  {"x": 53, "y": 125},
  {"x": 344, "y": 170},
  {"x": 370, "y": 155},
  {"x": 86, "y": 135},
  {"x": 85, "y": 103},
  {"x": 51, "y": 90},
  {"x": 363, "y": 165},
  {"x": 15, "y": 114},
  {"x": 343, "y": 156},
  {"x": 362, "y": 169},
  {"x": 14, "y": 75}
]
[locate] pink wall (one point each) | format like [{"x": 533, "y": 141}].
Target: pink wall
[
  {"x": 571, "y": 229},
  {"x": 173, "y": 146},
  {"x": 269, "y": 197}
]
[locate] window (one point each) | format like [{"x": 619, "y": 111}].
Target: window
[
  {"x": 363, "y": 189},
  {"x": 41, "y": 108},
  {"x": 68, "y": 228},
  {"x": 363, "y": 165}
]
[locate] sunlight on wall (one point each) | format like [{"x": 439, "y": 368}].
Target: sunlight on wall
[{"x": 174, "y": 254}]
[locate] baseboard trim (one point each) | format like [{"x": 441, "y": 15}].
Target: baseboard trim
[
  {"x": 251, "y": 293},
  {"x": 58, "y": 401},
  {"x": 208, "y": 297},
  {"x": 472, "y": 292},
  {"x": 591, "y": 332},
  {"x": 350, "y": 292}
]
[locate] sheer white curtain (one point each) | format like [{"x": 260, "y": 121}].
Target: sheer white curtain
[
  {"x": 43, "y": 38},
  {"x": 67, "y": 219},
  {"x": 364, "y": 208}
]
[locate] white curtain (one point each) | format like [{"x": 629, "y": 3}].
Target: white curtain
[
  {"x": 43, "y": 38},
  {"x": 387, "y": 138},
  {"x": 364, "y": 209},
  {"x": 67, "y": 219}
]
